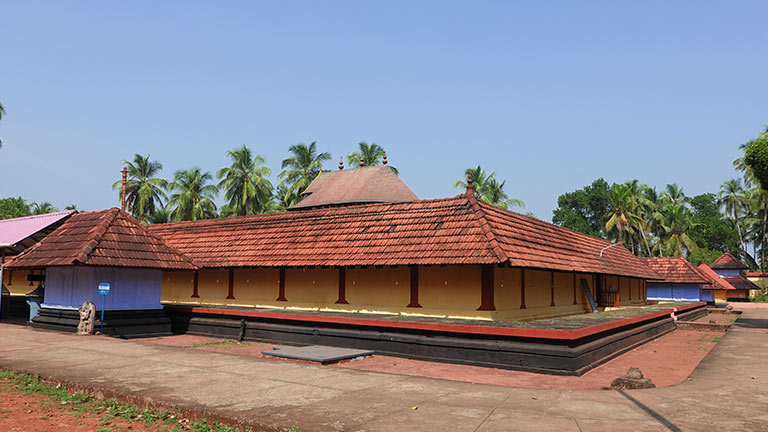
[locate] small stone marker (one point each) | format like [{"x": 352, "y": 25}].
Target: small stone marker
[
  {"x": 316, "y": 353},
  {"x": 87, "y": 315},
  {"x": 632, "y": 380}
]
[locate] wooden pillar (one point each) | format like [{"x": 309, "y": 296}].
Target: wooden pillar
[
  {"x": 574, "y": 288},
  {"x": 414, "y": 287},
  {"x": 552, "y": 288},
  {"x": 342, "y": 286},
  {"x": 486, "y": 288},
  {"x": 194, "y": 286},
  {"x": 231, "y": 286},
  {"x": 31, "y": 272},
  {"x": 10, "y": 276},
  {"x": 281, "y": 285},
  {"x": 522, "y": 288}
]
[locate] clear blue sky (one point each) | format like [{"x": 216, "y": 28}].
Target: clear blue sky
[{"x": 550, "y": 95}]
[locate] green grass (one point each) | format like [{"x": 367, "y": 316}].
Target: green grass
[
  {"x": 227, "y": 343},
  {"x": 109, "y": 409}
]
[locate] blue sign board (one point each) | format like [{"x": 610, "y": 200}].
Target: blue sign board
[{"x": 103, "y": 289}]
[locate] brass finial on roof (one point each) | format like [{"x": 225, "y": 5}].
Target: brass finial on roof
[
  {"x": 384, "y": 161},
  {"x": 470, "y": 188},
  {"x": 362, "y": 161},
  {"x": 341, "y": 163}
]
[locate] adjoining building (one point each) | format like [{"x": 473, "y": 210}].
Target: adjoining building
[
  {"x": 717, "y": 286},
  {"x": 20, "y": 288},
  {"x": 682, "y": 281},
  {"x": 730, "y": 269},
  {"x": 108, "y": 246},
  {"x": 760, "y": 279}
]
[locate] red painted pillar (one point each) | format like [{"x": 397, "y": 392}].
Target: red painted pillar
[
  {"x": 522, "y": 288},
  {"x": 486, "y": 288},
  {"x": 231, "y": 287},
  {"x": 342, "y": 286},
  {"x": 414, "y": 287},
  {"x": 281, "y": 285},
  {"x": 194, "y": 286}
]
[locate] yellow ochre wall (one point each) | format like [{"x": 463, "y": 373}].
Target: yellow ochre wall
[
  {"x": 450, "y": 291},
  {"x": 177, "y": 286},
  {"x": 385, "y": 289},
  {"x": 447, "y": 291},
  {"x": 16, "y": 281}
]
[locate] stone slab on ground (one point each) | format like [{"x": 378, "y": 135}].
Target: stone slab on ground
[
  {"x": 275, "y": 395},
  {"x": 316, "y": 353}
]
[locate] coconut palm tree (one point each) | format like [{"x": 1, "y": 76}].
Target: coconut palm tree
[
  {"x": 674, "y": 194},
  {"x": 160, "y": 215},
  {"x": 300, "y": 169},
  {"x": 675, "y": 222},
  {"x": 245, "y": 187},
  {"x": 733, "y": 201},
  {"x": 487, "y": 188},
  {"x": 623, "y": 217},
  {"x": 494, "y": 194},
  {"x": 43, "y": 208},
  {"x": 144, "y": 192},
  {"x": 192, "y": 195},
  {"x": 371, "y": 155},
  {"x": 756, "y": 220}
]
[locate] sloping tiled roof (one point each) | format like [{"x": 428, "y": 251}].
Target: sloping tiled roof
[
  {"x": 715, "y": 281},
  {"x": 109, "y": 238},
  {"x": 376, "y": 184},
  {"x": 457, "y": 230},
  {"x": 17, "y": 234},
  {"x": 676, "y": 270},
  {"x": 740, "y": 282},
  {"x": 728, "y": 261}
]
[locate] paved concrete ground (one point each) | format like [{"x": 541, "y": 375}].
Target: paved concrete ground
[{"x": 726, "y": 392}]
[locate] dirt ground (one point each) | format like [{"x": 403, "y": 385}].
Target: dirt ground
[
  {"x": 666, "y": 360},
  {"x": 34, "y": 412}
]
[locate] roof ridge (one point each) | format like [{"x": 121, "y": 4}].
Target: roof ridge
[
  {"x": 95, "y": 235},
  {"x": 306, "y": 213},
  {"x": 486, "y": 227},
  {"x": 151, "y": 234}
]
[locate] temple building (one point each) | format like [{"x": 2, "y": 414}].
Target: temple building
[
  {"x": 360, "y": 262},
  {"x": 108, "y": 246},
  {"x": 452, "y": 257},
  {"x": 730, "y": 269},
  {"x": 682, "y": 281}
]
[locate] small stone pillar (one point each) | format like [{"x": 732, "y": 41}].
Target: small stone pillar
[{"x": 87, "y": 316}]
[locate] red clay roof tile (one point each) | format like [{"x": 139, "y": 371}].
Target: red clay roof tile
[
  {"x": 109, "y": 238},
  {"x": 472, "y": 232},
  {"x": 728, "y": 261},
  {"x": 677, "y": 270},
  {"x": 715, "y": 281}
]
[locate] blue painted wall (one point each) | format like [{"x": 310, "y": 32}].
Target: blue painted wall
[
  {"x": 728, "y": 272},
  {"x": 708, "y": 295},
  {"x": 131, "y": 289},
  {"x": 677, "y": 292}
]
